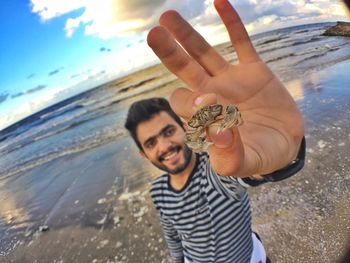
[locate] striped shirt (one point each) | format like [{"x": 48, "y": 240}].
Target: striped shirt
[{"x": 209, "y": 220}]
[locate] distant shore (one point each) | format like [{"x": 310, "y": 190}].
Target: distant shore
[{"x": 340, "y": 29}]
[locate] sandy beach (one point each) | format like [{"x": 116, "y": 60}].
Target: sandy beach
[{"x": 95, "y": 200}]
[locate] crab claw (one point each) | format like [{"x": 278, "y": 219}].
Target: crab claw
[{"x": 221, "y": 128}]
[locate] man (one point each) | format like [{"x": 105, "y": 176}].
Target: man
[
  {"x": 203, "y": 207},
  {"x": 205, "y": 218}
]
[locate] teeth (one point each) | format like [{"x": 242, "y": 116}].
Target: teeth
[{"x": 170, "y": 155}]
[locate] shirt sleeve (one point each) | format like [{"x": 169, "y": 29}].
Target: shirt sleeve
[
  {"x": 173, "y": 240},
  {"x": 226, "y": 185},
  {"x": 171, "y": 235}
]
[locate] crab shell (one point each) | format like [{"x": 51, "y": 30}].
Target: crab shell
[
  {"x": 205, "y": 116},
  {"x": 195, "y": 136}
]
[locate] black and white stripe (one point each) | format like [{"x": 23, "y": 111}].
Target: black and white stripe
[{"x": 209, "y": 220}]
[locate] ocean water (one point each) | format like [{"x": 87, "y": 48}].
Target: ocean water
[{"x": 96, "y": 118}]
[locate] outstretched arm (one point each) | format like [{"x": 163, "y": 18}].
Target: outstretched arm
[{"x": 273, "y": 126}]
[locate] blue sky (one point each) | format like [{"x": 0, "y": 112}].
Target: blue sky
[{"x": 53, "y": 49}]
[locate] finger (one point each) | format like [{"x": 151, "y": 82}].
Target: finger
[
  {"x": 175, "y": 58},
  {"x": 185, "y": 102},
  {"x": 194, "y": 43},
  {"x": 239, "y": 37}
]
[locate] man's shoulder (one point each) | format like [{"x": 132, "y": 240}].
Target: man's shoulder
[
  {"x": 159, "y": 182},
  {"x": 158, "y": 186}
]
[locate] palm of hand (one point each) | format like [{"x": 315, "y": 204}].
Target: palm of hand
[{"x": 270, "y": 115}]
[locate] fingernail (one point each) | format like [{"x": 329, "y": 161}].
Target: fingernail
[
  {"x": 198, "y": 100},
  {"x": 204, "y": 99},
  {"x": 209, "y": 97},
  {"x": 222, "y": 139}
]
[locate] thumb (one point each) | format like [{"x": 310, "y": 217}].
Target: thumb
[
  {"x": 221, "y": 139},
  {"x": 226, "y": 152}
]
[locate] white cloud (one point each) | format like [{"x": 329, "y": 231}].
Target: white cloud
[
  {"x": 110, "y": 18},
  {"x": 124, "y": 18},
  {"x": 48, "y": 9},
  {"x": 71, "y": 25}
]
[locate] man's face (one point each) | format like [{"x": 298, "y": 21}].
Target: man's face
[{"x": 162, "y": 141}]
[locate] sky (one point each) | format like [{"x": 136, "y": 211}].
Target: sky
[{"x": 53, "y": 49}]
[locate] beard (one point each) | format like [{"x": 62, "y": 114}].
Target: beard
[{"x": 187, "y": 154}]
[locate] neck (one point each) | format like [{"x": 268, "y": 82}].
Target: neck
[{"x": 178, "y": 181}]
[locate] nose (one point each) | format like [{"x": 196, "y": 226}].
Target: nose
[{"x": 163, "y": 144}]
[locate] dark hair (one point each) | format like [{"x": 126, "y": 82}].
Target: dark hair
[{"x": 143, "y": 110}]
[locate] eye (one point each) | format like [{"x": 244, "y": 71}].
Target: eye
[
  {"x": 149, "y": 144},
  {"x": 169, "y": 131}
]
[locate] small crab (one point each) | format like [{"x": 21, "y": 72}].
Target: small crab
[{"x": 196, "y": 137}]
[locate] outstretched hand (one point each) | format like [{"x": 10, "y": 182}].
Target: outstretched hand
[{"x": 273, "y": 127}]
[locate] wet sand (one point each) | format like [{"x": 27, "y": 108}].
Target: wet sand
[{"x": 105, "y": 214}]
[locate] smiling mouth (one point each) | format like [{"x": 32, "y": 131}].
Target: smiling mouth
[{"x": 169, "y": 154}]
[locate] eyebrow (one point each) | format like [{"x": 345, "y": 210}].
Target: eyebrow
[{"x": 161, "y": 131}]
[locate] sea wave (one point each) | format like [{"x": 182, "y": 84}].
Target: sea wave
[
  {"x": 87, "y": 143},
  {"x": 321, "y": 51},
  {"x": 271, "y": 40},
  {"x": 281, "y": 57},
  {"x": 41, "y": 131},
  {"x": 60, "y": 111},
  {"x": 305, "y": 41},
  {"x": 289, "y": 44},
  {"x": 140, "y": 83}
]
